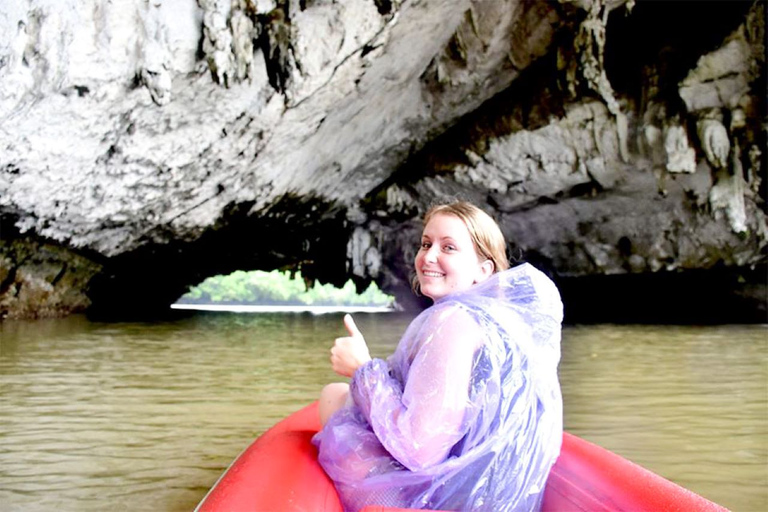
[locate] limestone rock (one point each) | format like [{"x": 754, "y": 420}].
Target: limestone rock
[
  {"x": 165, "y": 142},
  {"x": 39, "y": 280}
]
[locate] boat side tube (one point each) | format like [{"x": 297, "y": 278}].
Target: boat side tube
[{"x": 279, "y": 472}]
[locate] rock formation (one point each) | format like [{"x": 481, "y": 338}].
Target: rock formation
[{"x": 147, "y": 145}]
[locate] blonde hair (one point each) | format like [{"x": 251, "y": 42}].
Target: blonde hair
[{"x": 485, "y": 233}]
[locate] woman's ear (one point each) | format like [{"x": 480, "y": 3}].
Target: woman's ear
[{"x": 485, "y": 271}]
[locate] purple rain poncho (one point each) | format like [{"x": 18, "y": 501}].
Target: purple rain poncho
[{"x": 467, "y": 412}]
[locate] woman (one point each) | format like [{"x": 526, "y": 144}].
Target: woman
[{"x": 467, "y": 413}]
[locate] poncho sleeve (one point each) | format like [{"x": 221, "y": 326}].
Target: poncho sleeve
[{"x": 419, "y": 423}]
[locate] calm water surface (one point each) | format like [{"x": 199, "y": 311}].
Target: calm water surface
[{"x": 106, "y": 416}]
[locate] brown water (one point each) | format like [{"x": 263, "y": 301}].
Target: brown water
[{"x": 98, "y": 416}]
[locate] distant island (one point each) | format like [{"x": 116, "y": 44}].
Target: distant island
[{"x": 280, "y": 288}]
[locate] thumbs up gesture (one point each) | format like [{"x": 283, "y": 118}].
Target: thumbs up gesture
[{"x": 349, "y": 352}]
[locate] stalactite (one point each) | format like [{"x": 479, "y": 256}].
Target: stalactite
[
  {"x": 244, "y": 32},
  {"x": 155, "y": 67},
  {"x": 727, "y": 195},
  {"x": 590, "y": 46},
  {"x": 217, "y": 41},
  {"x": 714, "y": 139}
]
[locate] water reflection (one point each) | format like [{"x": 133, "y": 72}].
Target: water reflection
[{"x": 135, "y": 416}]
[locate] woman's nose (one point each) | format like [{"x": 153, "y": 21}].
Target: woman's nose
[{"x": 431, "y": 255}]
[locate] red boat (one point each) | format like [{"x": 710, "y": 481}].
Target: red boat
[{"x": 279, "y": 472}]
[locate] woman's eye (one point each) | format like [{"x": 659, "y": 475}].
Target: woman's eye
[
  {"x": 449, "y": 248},
  {"x": 425, "y": 245}
]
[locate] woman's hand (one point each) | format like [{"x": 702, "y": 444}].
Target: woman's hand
[{"x": 350, "y": 352}]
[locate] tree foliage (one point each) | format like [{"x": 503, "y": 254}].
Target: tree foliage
[{"x": 257, "y": 287}]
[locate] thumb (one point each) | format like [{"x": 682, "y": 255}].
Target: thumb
[{"x": 351, "y": 326}]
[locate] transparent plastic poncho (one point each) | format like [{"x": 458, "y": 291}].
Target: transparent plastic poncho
[{"x": 467, "y": 412}]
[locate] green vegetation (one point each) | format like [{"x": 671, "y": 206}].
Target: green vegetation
[{"x": 276, "y": 287}]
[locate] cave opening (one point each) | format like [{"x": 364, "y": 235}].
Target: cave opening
[
  {"x": 280, "y": 291},
  {"x": 293, "y": 234}
]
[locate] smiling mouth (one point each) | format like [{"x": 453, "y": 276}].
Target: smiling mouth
[{"x": 428, "y": 273}]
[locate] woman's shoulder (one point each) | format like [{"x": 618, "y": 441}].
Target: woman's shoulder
[
  {"x": 440, "y": 314},
  {"x": 455, "y": 316}
]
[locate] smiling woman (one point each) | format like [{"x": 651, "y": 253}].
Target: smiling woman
[{"x": 470, "y": 394}]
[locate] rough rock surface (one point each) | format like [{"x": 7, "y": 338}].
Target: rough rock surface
[{"x": 147, "y": 145}]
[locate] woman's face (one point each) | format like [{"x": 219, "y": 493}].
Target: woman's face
[{"x": 447, "y": 261}]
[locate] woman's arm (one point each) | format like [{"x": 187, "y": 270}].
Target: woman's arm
[{"x": 419, "y": 424}]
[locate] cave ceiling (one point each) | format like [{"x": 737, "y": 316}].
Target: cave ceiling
[{"x": 149, "y": 145}]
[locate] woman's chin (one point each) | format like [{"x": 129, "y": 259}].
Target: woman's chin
[{"x": 430, "y": 293}]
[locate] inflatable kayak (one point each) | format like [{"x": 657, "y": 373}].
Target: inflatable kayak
[{"x": 279, "y": 472}]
